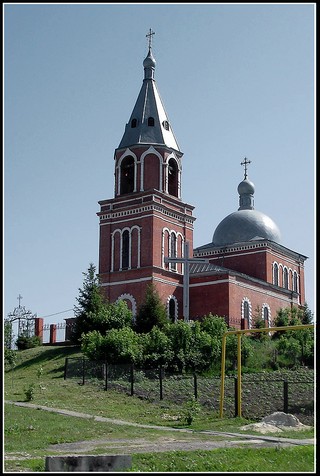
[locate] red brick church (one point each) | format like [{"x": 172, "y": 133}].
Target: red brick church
[{"x": 146, "y": 233}]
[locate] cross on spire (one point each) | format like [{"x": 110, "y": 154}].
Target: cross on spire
[
  {"x": 149, "y": 36},
  {"x": 186, "y": 262},
  {"x": 245, "y": 163},
  {"x": 19, "y": 298}
]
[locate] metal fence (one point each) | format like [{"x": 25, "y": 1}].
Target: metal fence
[{"x": 262, "y": 394}]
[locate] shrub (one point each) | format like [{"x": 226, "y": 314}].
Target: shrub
[{"x": 24, "y": 342}]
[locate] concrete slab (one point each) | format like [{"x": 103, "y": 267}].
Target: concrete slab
[{"x": 87, "y": 463}]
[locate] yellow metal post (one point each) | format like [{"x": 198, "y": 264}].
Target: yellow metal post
[
  {"x": 223, "y": 363},
  {"x": 223, "y": 356},
  {"x": 239, "y": 374}
]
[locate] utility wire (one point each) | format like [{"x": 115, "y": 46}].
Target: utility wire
[{"x": 49, "y": 315}]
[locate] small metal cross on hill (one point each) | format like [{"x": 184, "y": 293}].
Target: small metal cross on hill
[
  {"x": 149, "y": 36},
  {"x": 186, "y": 261},
  {"x": 245, "y": 163}
]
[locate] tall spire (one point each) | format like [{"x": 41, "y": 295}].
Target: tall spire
[{"x": 149, "y": 123}]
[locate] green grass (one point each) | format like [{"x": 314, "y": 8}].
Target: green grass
[
  {"x": 293, "y": 459},
  {"x": 28, "y": 433}
]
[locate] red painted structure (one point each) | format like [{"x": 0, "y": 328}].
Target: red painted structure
[{"x": 147, "y": 221}]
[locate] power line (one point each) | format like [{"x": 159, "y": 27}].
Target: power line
[{"x": 49, "y": 315}]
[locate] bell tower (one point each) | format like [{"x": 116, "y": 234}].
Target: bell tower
[{"x": 146, "y": 221}]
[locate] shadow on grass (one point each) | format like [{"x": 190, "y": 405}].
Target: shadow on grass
[{"x": 49, "y": 354}]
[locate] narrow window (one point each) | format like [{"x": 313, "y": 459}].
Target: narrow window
[
  {"x": 173, "y": 178},
  {"x": 285, "y": 279},
  {"x": 295, "y": 282},
  {"x": 134, "y": 123},
  {"x": 165, "y": 125},
  {"x": 173, "y": 251},
  {"x": 266, "y": 316},
  {"x": 127, "y": 175},
  {"x": 150, "y": 121},
  {"x": 275, "y": 274},
  {"x": 172, "y": 310},
  {"x": 125, "y": 249},
  {"x": 246, "y": 314}
]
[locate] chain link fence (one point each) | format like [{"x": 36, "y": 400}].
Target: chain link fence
[{"x": 262, "y": 393}]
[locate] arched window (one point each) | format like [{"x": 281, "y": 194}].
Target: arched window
[
  {"x": 173, "y": 178},
  {"x": 173, "y": 251},
  {"x": 125, "y": 249},
  {"x": 134, "y": 123},
  {"x": 127, "y": 175},
  {"x": 150, "y": 121},
  {"x": 285, "y": 278},
  {"x": 246, "y": 312},
  {"x": 275, "y": 274},
  {"x": 172, "y": 310},
  {"x": 266, "y": 316},
  {"x": 295, "y": 282}
]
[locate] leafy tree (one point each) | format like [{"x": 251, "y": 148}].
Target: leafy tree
[
  {"x": 179, "y": 334},
  {"x": 192, "y": 348},
  {"x": 232, "y": 350},
  {"x": 116, "y": 316},
  {"x": 289, "y": 349},
  {"x": 200, "y": 351},
  {"x": 295, "y": 345},
  {"x": 214, "y": 325},
  {"x": 152, "y": 312},
  {"x": 123, "y": 346},
  {"x": 156, "y": 348},
  {"x": 93, "y": 345}
]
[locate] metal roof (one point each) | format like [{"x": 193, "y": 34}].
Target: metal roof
[{"x": 149, "y": 105}]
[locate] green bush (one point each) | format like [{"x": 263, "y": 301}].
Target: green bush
[{"x": 24, "y": 342}]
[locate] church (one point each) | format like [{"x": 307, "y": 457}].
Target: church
[{"x": 146, "y": 233}]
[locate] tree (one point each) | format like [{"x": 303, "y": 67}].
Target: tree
[
  {"x": 7, "y": 334},
  {"x": 10, "y": 355},
  {"x": 259, "y": 323},
  {"x": 152, "y": 312},
  {"x": 295, "y": 344},
  {"x": 156, "y": 348},
  {"x": 90, "y": 304},
  {"x": 94, "y": 313},
  {"x": 25, "y": 341},
  {"x": 232, "y": 350},
  {"x": 307, "y": 317},
  {"x": 123, "y": 346}
]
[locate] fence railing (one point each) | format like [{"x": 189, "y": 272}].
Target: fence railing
[{"x": 262, "y": 394}]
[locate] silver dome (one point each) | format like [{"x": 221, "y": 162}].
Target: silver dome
[{"x": 245, "y": 225}]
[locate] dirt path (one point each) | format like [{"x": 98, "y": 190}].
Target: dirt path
[{"x": 186, "y": 439}]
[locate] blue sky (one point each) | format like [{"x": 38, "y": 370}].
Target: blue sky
[{"x": 237, "y": 80}]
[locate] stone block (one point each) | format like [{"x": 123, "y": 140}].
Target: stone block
[{"x": 87, "y": 463}]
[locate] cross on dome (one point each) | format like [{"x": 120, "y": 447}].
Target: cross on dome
[
  {"x": 149, "y": 36},
  {"x": 245, "y": 163}
]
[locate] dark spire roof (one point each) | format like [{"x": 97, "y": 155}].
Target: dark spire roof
[{"x": 149, "y": 123}]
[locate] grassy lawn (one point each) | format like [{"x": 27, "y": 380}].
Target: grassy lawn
[{"x": 29, "y": 432}]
